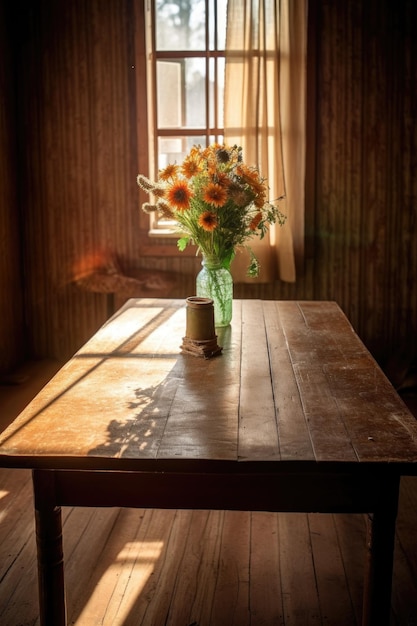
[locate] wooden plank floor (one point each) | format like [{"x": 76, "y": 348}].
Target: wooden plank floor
[{"x": 127, "y": 567}]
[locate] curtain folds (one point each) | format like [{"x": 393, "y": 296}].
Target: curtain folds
[{"x": 264, "y": 112}]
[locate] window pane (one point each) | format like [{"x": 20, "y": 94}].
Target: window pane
[
  {"x": 174, "y": 149},
  {"x": 169, "y": 79},
  {"x": 216, "y": 87},
  {"x": 180, "y": 24},
  {"x": 217, "y": 24},
  {"x": 215, "y": 139},
  {"x": 220, "y": 91},
  {"x": 189, "y": 88},
  {"x": 195, "y": 90},
  {"x": 181, "y": 93}
]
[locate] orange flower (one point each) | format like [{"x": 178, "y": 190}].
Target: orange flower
[
  {"x": 191, "y": 167},
  {"x": 179, "y": 195},
  {"x": 215, "y": 195},
  {"x": 251, "y": 177},
  {"x": 223, "y": 179},
  {"x": 195, "y": 152},
  {"x": 208, "y": 221},
  {"x": 216, "y": 200},
  {"x": 260, "y": 200},
  {"x": 210, "y": 151},
  {"x": 255, "y": 221},
  {"x": 239, "y": 195},
  {"x": 168, "y": 172}
]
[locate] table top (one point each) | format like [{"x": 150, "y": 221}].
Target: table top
[{"x": 294, "y": 384}]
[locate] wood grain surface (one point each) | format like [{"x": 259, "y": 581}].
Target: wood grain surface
[{"x": 293, "y": 384}]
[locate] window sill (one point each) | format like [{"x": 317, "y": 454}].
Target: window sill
[{"x": 166, "y": 233}]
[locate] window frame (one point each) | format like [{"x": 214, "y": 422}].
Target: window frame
[{"x": 157, "y": 237}]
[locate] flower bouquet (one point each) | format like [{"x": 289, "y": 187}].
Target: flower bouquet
[{"x": 217, "y": 203}]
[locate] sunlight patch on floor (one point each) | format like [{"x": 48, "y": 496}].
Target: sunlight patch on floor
[{"x": 130, "y": 582}]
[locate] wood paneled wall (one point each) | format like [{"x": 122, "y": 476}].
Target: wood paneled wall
[
  {"x": 78, "y": 138},
  {"x": 364, "y": 221},
  {"x": 78, "y": 164},
  {"x": 11, "y": 321}
]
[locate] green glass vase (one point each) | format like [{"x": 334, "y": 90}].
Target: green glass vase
[{"x": 215, "y": 281}]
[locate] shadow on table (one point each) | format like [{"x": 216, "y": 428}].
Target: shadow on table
[{"x": 139, "y": 435}]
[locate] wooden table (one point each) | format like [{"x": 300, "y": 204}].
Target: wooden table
[{"x": 294, "y": 415}]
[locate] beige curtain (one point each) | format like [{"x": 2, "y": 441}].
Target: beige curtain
[{"x": 264, "y": 108}]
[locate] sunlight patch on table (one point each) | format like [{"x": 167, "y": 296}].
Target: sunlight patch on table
[{"x": 113, "y": 336}]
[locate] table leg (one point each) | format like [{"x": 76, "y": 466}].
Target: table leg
[
  {"x": 50, "y": 553},
  {"x": 380, "y": 558}
]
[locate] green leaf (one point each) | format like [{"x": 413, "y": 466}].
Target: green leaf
[
  {"x": 227, "y": 260},
  {"x": 253, "y": 269},
  {"x": 183, "y": 243}
]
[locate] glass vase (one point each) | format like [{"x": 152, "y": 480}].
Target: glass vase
[{"x": 215, "y": 281}]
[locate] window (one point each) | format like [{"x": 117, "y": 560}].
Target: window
[
  {"x": 186, "y": 56},
  {"x": 184, "y": 101}
]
